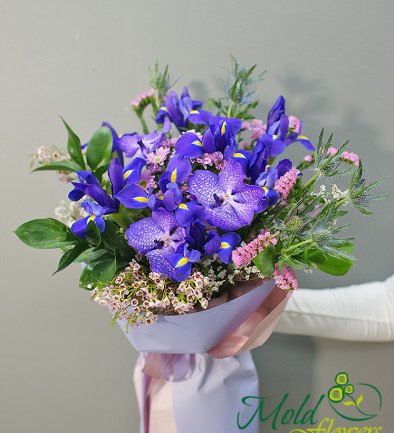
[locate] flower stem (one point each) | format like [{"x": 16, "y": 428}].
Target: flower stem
[
  {"x": 300, "y": 244},
  {"x": 143, "y": 123}
]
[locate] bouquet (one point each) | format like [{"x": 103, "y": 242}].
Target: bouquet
[{"x": 193, "y": 228}]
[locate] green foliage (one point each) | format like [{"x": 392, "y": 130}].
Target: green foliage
[
  {"x": 98, "y": 152},
  {"x": 240, "y": 99},
  {"x": 71, "y": 255},
  {"x": 265, "y": 261},
  {"x": 74, "y": 146},
  {"x": 45, "y": 234},
  {"x": 68, "y": 166}
]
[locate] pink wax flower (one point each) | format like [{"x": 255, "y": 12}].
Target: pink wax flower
[
  {"x": 308, "y": 158},
  {"x": 285, "y": 183},
  {"x": 244, "y": 254},
  {"x": 351, "y": 157},
  {"x": 332, "y": 151},
  {"x": 285, "y": 280},
  {"x": 135, "y": 103},
  {"x": 294, "y": 124}
]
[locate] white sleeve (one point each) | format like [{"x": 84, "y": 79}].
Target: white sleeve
[{"x": 363, "y": 312}]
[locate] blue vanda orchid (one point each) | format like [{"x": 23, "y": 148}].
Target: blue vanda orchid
[
  {"x": 156, "y": 237},
  {"x": 228, "y": 202},
  {"x": 95, "y": 212},
  {"x": 177, "y": 109}
]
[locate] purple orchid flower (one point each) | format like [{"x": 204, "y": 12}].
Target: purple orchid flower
[
  {"x": 177, "y": 109},
  {"x": 228, "y": 203},
  {"x": 182, "y": 261},
  {"x": 95, "y": 212},
  {"x": 156, "y": 237}
]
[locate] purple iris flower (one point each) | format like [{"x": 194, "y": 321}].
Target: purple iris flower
[
  {"x": 278, "y": 127},
  {"x": 95, "y": 212},
  {"x": 182, "y": 260},
  {"x": 178, "y": 170},
  {"x": 156, "y": 237},
  {"x": 177, "y": 109},
  {"x": 222, "y": 245},
  {"x": 140, "y": 145},
  {"x": 89, "y": 185},
  {"x": 228, "y": 203},
  {"x": 267, "y": 181}
]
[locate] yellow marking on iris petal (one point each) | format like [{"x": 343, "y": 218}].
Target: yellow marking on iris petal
[
  {"x": 164, "y": 108},
  {"x": 265, "y": 188},
  {"x": 194, "y": 112},
  {"x": 197, "y": 143},
  {"x": 239, "y": 155},
  {"x": 91, "y": 218},
  {"x": 302, "y": 137},
  {"x": 183, "y": 206},
  {"x": 274, "y": 137},
  {"x": 127, "y": 174},
  {"x": 160, "y": 196},
  {"x": 140, "y": 199},
  {"x": 182, "y": 262},
  {"x": 225, "y": 245},
  {"x": 120, "y": 135},
  {"x": 223, "y": 128},
  {"x": 173, "y": 176}
]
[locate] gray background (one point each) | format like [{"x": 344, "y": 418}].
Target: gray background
[{"x": 63, "y": 369}]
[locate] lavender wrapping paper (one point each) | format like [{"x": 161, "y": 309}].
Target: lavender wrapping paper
[
  {"x": 208, "y": 398},
  {"x": 208, "y": 401},
  {"x": 196, "y": 332}
]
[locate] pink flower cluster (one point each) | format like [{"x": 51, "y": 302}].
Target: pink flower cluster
[
  {"x": 142, "y": 97},
  {"x": 351, "y": 157},
  {"x": 157, "y": 158},
  {"x": 285, "y": 280},
  {"x": 212, "y": 159},
  {"x": 256, "y": 127},
  {"x": 286, "y": 182},
  {"x": 244, "y": 254},
  {"x": 346, "y": 156},
  {"x": 295, "y": 124}
]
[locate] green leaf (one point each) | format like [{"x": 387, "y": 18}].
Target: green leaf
[
  {"x": 114, "y": 240},
  {"x": 45, "y": 233},
  {"x": 86, "y": 278},
  {"x": 99, "y": 149},
  {"x": 265, "y": 261},
  {"x": 74, "y": 146},
  {"x": 104, "y": 271},
  {"x": 71, "y": 255},
  {"x": 326, "y": 262},
  {"x": 93, "y": 233},
  {"x": 59, "y": 166}
]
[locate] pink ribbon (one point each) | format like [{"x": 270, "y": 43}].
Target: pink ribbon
[{"x": 252, "y": 333}]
